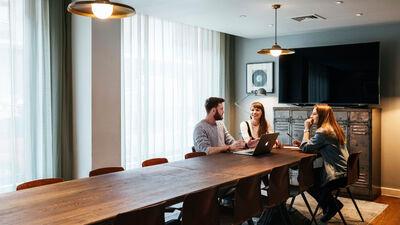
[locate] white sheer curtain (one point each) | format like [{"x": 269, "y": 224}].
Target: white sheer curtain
[
  {"x": 25, "y": 93},
  {"x": 169, "y": 69}
]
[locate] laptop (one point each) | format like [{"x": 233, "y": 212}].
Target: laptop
[{"x": 264, "y": 145}]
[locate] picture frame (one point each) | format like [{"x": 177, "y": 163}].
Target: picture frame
[{"x": 260, "y": 75}]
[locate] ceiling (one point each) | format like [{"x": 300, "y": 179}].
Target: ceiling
[{"x": 251, "y": 18}]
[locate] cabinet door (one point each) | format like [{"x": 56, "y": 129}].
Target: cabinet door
[
  {"x": 283, "y": 128},
  {"x": 341, "y": 116},
  {"x": 281, "y": 114},
  {"x": 298, "y": 131},
  {"x": 359, "y": 116},
  {"x": 300, "y": 115},
  {"x": 360, "y": 142},
  {"x": 344, "y": 126}
]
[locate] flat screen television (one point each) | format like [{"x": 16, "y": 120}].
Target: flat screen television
[{"x": 337, "y": 75}]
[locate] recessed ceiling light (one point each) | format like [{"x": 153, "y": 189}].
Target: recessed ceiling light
[
  {"x": 270, "y": 25},
  {"x": 339, "y": 2},
  {"x": 242, "y": 16},
  {"x": 359, "y": 14}
]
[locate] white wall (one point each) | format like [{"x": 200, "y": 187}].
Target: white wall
[
  {"x": 96, "y": 63},
  {"x": 106, "y": 93},
  {"x": 82, "y": 101}
]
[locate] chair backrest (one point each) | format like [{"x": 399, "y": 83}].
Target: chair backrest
[
  {"x": 194, "y": 154},
  {"x": 150, "y": 215},
  {"x": 247, "y": 201},
  {"x": 353, "y": 168},
  {"x": 105, "y": 170},
  {"x": 154, "y": 161},
  {"x": 306, "y": 174},
  {"x": 278, "y": 191},
  {"x": 37, "y": 183},
  {"x": 200, "y": 208}
]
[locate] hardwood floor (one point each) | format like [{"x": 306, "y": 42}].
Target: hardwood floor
[{"x": 391, "y": 214}]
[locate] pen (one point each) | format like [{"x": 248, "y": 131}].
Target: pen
[{"x": 290, "y": 136}]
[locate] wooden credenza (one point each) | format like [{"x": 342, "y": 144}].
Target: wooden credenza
[{"x": 363, "y": 131}]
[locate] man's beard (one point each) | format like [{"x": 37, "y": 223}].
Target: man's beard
[{"x": 218, "y": 116}]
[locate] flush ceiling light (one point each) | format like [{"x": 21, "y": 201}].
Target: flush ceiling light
[
  {"x": 276, "y": 50},
  {"x": 102, "y": 9}
]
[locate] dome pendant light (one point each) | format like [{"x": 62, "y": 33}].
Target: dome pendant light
[
  {"x": 275, "y": 50},
  {"x": 101, "y": 9}
]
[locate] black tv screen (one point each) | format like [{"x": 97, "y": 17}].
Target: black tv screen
[{"x": 337, "y": 75}]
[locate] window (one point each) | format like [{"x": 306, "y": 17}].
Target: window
[
  {"x": 169, "y": 69},
  {"x": 25, "y": 99}
]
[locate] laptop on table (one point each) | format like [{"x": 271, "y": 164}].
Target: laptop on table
[{"x": 264, "y": 145}]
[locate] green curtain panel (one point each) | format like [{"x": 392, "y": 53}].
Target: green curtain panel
[{"x": 61, "y": 81}]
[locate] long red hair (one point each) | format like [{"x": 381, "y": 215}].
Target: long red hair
[{"x": 327, "y": 120}]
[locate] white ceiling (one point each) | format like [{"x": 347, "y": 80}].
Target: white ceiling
[{"x": 224, "y": 15}]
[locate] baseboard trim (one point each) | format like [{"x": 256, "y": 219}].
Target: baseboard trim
[{"x": 393, "y": 192}]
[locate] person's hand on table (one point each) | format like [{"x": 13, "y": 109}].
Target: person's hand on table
[
  {"x": 296, "y": 143},
  {"x": 237, "y": 145},
  {"x": 252, "y": 143},
  {"x": 278, "y": 144}
]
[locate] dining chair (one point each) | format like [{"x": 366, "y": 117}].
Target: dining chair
[
  {"x": 105, "y": 170},
  {"x": 246, "y": 202},
  {"x": 150, "y": 215},
  {"x": 305, "y": 180},
  {"x": 353, "y": 172},
  {"x": 154, "y": 161},
  {"x": 200, "y": 208},
  {"x": 39, "y": 182},
  {"x": 277, "y": 195},
  {"x": 194, "y": 154}
]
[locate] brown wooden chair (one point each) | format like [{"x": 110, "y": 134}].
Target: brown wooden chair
[
  {"x": 154, "y": 161},
  {"x": 105, "y": 170},
  {"x": 306, "y": 180},
  {"x": 151, "y": 215},
  {"x": 194, "y": 154},
  {"x": 246, "y": 202},
  {"x": 201, "y": 208},
  {"x": 278, "y": 193},
  {"x": 37, "y": 183}
]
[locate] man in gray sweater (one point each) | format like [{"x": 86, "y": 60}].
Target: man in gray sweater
[{"x": 210, "y": 134}]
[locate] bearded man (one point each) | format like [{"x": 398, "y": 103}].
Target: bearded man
[{"x": 210, "y": 134}]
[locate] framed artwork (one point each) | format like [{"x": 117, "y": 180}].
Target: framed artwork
[{"x": 260, "y": 75}]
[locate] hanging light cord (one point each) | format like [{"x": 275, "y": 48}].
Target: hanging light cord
[{"x": 276, "y": 22}]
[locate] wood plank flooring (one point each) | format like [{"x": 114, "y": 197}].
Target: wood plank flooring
[{"x": 391, "y": 215}]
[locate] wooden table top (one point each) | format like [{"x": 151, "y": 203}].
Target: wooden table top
[
  {"x": 102, "y": 197},
  {"x": 242, "y": 165}
]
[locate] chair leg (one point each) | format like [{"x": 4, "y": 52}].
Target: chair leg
[
  {"x": 315, "y": 213},
  {"x": 354, "y": 202},
  {"x": 342, "y": 217},
  {"x": 291, "y": 204},
  {"x": 309, "y": 208}
]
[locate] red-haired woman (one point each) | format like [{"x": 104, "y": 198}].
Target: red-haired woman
[{"x": 329, "y": 142}]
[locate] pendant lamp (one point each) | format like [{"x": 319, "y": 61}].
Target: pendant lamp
[
  {"x": 102, "y": 9},
  {"x": 276, "y": 50}
]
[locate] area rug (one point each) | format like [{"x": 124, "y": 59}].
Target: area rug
[{"x": 369, "y": 210}]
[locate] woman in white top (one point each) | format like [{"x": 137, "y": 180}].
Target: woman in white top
[{"x": 257, "y": 125}]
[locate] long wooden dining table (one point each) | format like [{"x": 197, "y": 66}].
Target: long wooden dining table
[{"x": 101, "y": 198}]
